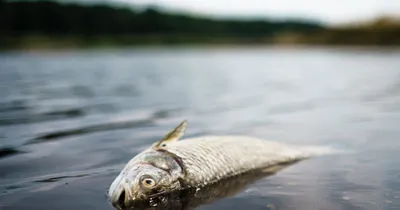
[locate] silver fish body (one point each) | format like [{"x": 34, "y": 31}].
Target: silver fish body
[
  {"x": 191, "y": 198},
  {"x": 209, "y": 159},
  {"x": 171, "y": 165}
]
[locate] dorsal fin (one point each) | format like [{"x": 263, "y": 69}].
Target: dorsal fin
[{"x": 172, "y": 136}]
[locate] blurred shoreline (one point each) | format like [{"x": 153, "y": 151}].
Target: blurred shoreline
[
  {"x": 42, "y": 25},
  {"x": 53, "y": 47},
  {"x": 71, "y": 43}
]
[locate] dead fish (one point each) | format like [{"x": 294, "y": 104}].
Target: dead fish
[
  {"x": 193, "y": 198},
  {"x": 171, "y": 165}
]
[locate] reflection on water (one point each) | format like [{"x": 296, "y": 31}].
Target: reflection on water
[{"x": 69, "y": 121}]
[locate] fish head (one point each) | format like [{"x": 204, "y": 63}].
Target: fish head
[{"x": 149, "y": 174}]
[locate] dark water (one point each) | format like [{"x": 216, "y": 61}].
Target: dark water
[{"x": 69, "y": 121}]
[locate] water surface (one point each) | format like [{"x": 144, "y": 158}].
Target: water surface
[{"x": 69, "y": 121}]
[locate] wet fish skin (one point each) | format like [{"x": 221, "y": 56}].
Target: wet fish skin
[
  {"x": 192, "y": 198},
  {"x": 211, "y": 158},
  {"x": 129, "y": 184},
  {"x": 171, "y": 164}
]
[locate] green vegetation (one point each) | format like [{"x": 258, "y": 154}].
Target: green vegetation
[
  {"x": 384, "y": 31},
  {"x": 49, "y": 24}
]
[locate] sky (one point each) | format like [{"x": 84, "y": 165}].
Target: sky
[{"x": 329, "y": 11}]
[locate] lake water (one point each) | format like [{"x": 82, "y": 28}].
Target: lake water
[{"x": 69, "y": 121}]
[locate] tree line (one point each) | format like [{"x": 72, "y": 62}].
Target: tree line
[
  {"x": 32, "y": 24},
  {"x": 54, "y": 18}
]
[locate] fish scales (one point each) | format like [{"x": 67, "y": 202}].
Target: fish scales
[
  {"x": 209, "y": 159},
  {"x": 170, "y": 165}
]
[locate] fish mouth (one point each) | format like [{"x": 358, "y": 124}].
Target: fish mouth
[
  {"x": 119, "y": 199},
  {"x": 121, "y": 195},
  {"x": 122, "y": 199}
]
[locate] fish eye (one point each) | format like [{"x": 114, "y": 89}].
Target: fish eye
[{"x": 148, "y": 182}]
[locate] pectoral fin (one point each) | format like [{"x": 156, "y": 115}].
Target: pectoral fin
[{"x": 172, "y": 136}]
